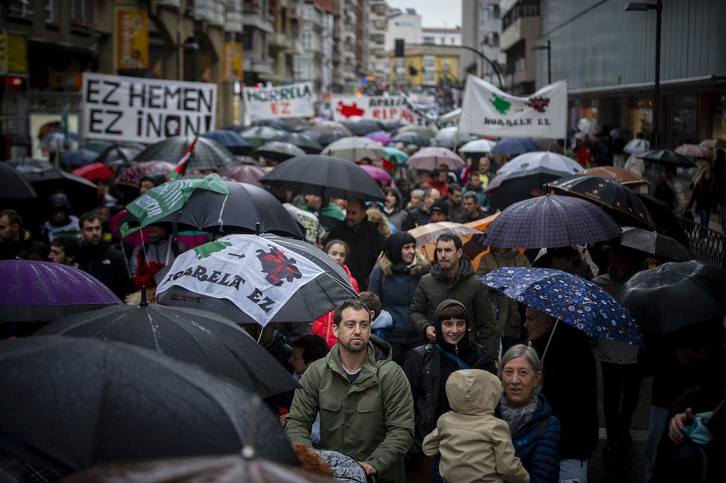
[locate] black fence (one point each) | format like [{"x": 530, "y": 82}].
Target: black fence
[{"x": 705, "y": 243}]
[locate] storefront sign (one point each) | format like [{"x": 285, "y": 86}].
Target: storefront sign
[
  {"x": 12, "y": 54},
  {"x": 232, "y": 61},
  {"x": 489, "y": 111},
  {"x": 120, "y": 108},
  {"x": 294, "y": 100},
  {"x": 133, "y": 39}
]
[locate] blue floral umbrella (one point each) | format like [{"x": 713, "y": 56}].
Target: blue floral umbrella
[{"x": 569, "y": 298}]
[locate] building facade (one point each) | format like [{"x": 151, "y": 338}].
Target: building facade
[{"x": 425, "y": 66}]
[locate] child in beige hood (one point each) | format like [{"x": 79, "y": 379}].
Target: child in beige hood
[{"x": 474, "y": 445}]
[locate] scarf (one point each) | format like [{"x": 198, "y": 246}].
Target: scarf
[{"x": 517, "y": 418}]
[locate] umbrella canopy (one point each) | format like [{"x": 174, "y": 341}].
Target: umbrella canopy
[
  {"x": 258, "y": 279},
  {"x": 206, "y": 155},
  {"x": 396, "y": 154},
  {"x": 231, "y": 140},
  {"x": 410, "y": 137},
  {"x": 131, "y": 176},
  {"x": 667, "y": 157},
  {"x": 210, "y": 203},
  {"x": 713, "y": 143},
  {"x": 73, "y": 403},
  {"x": 381, "y": 137},
  {"x": 97, "y": 145},
  {"x": 81, "y": 192},
  {"x": 478, "y": 146},
  {"x": 328, "y": 138},
  {"x": 695, "y": 151},
  {"x": 13, "y": 184},
  {"x": 274, "y": 123},
  {"x": 41, "y": 291},
  {"x": 621, "y": 203},
  {"x": 355, "y": 149},
  {"x": 569, "y": 298},
  {"x": 509, "y": 188},
  {"x": 362, "y": 127},
  {"x": 93, "y": 171},
  {"x": 29, "y": 165},
  {"x": 514, "y": 146},
  {"x": 550, "y": 222},
  {"x": 378, "y": 174},
  {"x": 636, "y": 146},
  {"x": 449, "y": 137},
  {"x": 78, "y": 157},
  {"x": 120, "y": 154},
  {"x": 541, "y": 159},
  {"x": 279, "y": 151},
  {"x": 621, "y": 175},
  {"x": 620, "y": 133},
  {"x": 675, "y": 295},
  {"x": 259, "y": 135},
  {"x": 53, "y": 139},
  {"x": 588, "y": 126},
  {"x": 432, "y": 157},
  {"x": 302, "y": 141},
  {"x": 325, "y": 176},
  {"x": 246, "y": 174},
  {"x": 329, "y": 126},
  {"x": 427, "y": 132},
  {"x": 547, "y": 144},
  {"x": 655, "y": 244},
  {"x": 666, "y": 222},
  {"x": 429, "y": 232},
  {"x": 191, "y": 335}
]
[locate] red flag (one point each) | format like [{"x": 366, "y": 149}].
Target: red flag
[{"x": 182, "y": 164}]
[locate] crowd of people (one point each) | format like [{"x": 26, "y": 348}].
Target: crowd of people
[{"x": 431, "y": 375}]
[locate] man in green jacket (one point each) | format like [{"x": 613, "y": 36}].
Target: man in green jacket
[
  {"x": 453, "y": 278},
  {"x": 364, "y": 399}
]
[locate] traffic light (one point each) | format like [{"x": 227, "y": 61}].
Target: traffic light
[
  {"x": 400, "y": 47},
  {"x": 412, "y": 70}
]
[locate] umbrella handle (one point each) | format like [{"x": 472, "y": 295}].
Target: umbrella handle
[{"x": 549, "y": 341}]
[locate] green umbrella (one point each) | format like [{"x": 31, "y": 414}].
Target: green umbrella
[
  {"x": 97, "y": 145},
  {"x": 399, "y": 155}
]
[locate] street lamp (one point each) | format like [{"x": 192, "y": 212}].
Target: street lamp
[
  {"x": 494, "y": 66},
  {"x": 658, "y": 7},
  {"x": 548, "y": 48},
  {"x": 193, "y": 44}
]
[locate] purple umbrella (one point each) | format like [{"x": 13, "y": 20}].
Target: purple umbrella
[
  {"x": 380, "y": 137},
  {"x": 43, "y": 291},
  {"x": 378, "y": 174}
]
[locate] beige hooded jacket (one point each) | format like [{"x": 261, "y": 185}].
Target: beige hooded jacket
[{"x": 474, "y": 445}]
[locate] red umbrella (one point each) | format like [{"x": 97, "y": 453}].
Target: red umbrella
[{"x": 93, "y": 171}]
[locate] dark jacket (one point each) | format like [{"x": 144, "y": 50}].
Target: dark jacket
[
  {"x": 416, "y": 217},
  {"x": 24, "y": 247},
  {"x": 570, "y": 386},
  {"x": 109, "y": 266},
  {"x": 395, "y": 286},
  {"x": 365, "y": 245},
  {"x": 463, "y": 218},
  {"x": 540, "y": 455},
  {"x": 434, "y": 288}
]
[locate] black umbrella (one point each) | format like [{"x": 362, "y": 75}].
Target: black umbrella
[
  {"x": 206, "y": 155},
  {"x": 13, "y": 184},
  {"x": 259, "y": 279},
  {"x": 245, "y": 209},
  {"x": 191, "y": 335},
  {"x": 29, "y": 165},
  {"x": 330, "y": 137},
  {"x": 667, "y": 157},
  {"x": 302, "y": 141},
  {"x": 655, "y": 244},
  {"x": 505, "y": 189},
  {"x": 120, "y": 154},
  {"x": 273, "y": 123},
  {"x": 231, "y": 140},
  {"x": 675, "y": 295},
  {"x": 619, "y": 201},
  {"x": 666, "y": 222},
  {"x": 363, "y": 127},
  {"x": 73, "y": 403},
  {"x": 324, "y": 176},
  {"x": 81, "y": 192}
]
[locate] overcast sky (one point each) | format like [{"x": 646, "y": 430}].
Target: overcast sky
[{"x": 434, "y": 13}]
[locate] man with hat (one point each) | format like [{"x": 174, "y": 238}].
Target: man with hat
[
  {"x": 60, "y": 221},
  {"x": 440, "y": 211}
]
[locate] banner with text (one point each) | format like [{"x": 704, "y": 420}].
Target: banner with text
[
  {"x": 120, "y": 108},
  {"x": 294, "y": 100},
  {"x": 489, "y": 111},
  {"x": 377, "y": 108}
]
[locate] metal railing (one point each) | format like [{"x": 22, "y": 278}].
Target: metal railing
[{"x": 705, "y": 243}]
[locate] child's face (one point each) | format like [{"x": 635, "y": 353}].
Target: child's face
[{"x": 453, "y": 330}]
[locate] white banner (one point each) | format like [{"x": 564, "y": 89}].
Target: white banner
[
  {"x": 377, "y": 108},
  {"x": 489, "y": 111},
  {"x": 294, "y": 100},
  {"x": 257, "y": 275},
  {"x": 120, "y": 108}
]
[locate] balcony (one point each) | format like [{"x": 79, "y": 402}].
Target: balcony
[
  {"x": 278, "y": 40},
  {"x": 233, "y": 22},
  {"x": 257, "y": 65},
  {"x": 256, "y": 20}
]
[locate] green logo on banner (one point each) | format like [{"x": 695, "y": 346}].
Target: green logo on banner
[
  {"x": 206, "y": 250},
  {"x": 500, "y": 104}
]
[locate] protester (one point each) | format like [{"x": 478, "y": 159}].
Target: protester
[
  {"x": 438, "y": 179},
  {"x": 416, "y": 199},
  {"x": 376, "y": 216},
  {"x": 363, "y": 397},
  {"x": 363, "y": 239},
  {"x": 392, "y": 208},
  {"x": 394, "y": 280},
  {"x": 705, "y": 195},
  {"x": 567, "y": 259},
  {"x": 472, "y": 211},
  {"x": 440, "y": 211},
  {"x": 453, "y": 277},
  {"x": 15, "y": 241},
  {"x": 568, "y": 366},
  {"x": 101, "y": 260},
  {"x": 429, "y": 366},
  {"x": 473, "y": 444},
  {"x": 323, "y": 326},
  {"x": 535, "y": 430},
  {"x": 474, "y": 185},
  {"x": 454, "y": 200},
  {"x": 60, "y": 219},
  {"x": 329, "y": 214},
  {"x": 421, "y": 215},
  {"x": 64, "y": 249},
  {"x": 149, "y": 257},
  {"x": 679, "y": 192},
  {"x": 381, "y": 320}
]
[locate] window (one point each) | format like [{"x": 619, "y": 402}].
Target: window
[
  {"x": 51, "y": 11},
  {"x": 447, "y": 65},
  {"x": 307, "y": 40},
  {"x": 429, "y": 62},
  {"x": 81, "y": 9},
  {"x": 308, "y": 12}
]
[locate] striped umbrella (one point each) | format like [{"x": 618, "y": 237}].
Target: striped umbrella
[{"x": 207, "y": 154}]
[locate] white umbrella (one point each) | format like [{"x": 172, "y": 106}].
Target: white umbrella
[
  {"x": 588, "y": 126},
  {"x": 478, "y": 146},
  {"x": 541, "y": 159},
  {"x": 636, "y": 146}
]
